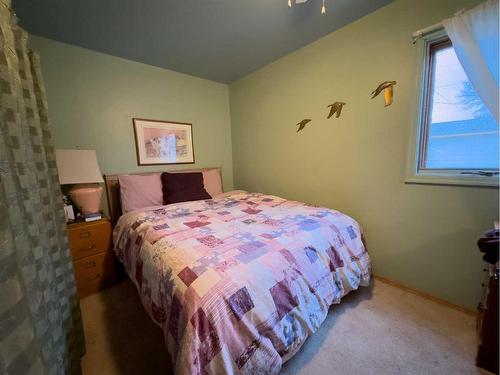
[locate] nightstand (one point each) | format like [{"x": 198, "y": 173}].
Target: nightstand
[{"x": 93, "y": 260}]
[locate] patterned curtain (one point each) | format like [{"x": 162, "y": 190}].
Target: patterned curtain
[{"x": 40, "y": 323}]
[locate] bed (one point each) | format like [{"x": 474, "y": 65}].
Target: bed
[{"x": 238, "y": 282}]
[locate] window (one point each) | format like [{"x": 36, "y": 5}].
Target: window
[{"x": 457, "y": 135}]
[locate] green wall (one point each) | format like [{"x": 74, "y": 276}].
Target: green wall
[
  {"x": 93, "y": 97},
  {"x": 420, "y": 235}
]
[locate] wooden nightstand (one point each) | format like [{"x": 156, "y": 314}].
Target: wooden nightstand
[{"x": 93, "y": 259}]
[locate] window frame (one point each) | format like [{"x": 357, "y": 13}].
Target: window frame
[{"x": 416, "y": 171}]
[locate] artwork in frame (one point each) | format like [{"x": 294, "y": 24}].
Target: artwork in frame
[{"x": 163, "y": 142}]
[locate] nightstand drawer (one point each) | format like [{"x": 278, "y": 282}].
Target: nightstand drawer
[
  {"x": 94, "y": 273},
  {"x": 89, "y": 238}
]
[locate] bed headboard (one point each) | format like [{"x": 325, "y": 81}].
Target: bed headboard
[{"x": 113, "y": 189}]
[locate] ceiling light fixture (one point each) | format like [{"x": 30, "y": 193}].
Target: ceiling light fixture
[{"x": 323, "y": 7}]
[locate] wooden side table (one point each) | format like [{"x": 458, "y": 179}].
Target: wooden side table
[{"x": 93, "y": 260}]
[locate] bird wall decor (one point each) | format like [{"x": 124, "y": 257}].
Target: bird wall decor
[
  {"x": 303, "y": 124},
  {"x": 387, "y": 88},
  {"x": 335, "y": 109}
]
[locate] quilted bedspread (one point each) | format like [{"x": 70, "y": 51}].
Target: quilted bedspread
[{"x": 239, "y": 283}]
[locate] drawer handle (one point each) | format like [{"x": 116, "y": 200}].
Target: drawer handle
[
  {"x": 90, "y": 264},
  {"x": 93, "y": 278},
  {"x": 87, "y": 248},
  {"x": 85, "y": 234}
]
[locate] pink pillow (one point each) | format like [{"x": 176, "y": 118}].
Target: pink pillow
[
  {"x": 139, "y": 191},
  {"x": 212, "y": 182}
]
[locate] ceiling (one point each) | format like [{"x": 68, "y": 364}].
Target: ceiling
[{"x": 220, "y": 40}]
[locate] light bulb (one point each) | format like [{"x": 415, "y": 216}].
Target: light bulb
[
  {"x": 323, "y": 8},
  {"x": 289, "y": 3}
]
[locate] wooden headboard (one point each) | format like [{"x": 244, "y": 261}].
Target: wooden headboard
[{"x": 113, "y": 190}]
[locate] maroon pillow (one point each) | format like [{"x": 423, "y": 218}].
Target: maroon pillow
[{"x": 183, "y": 187}]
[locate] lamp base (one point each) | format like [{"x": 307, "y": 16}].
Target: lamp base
[{"x": 87, "y": 197}]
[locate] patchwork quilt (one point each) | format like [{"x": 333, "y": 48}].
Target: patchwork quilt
[{"x": 238, "y": 283}]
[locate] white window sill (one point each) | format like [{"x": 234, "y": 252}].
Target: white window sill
[{"x": 433, "y": 178}]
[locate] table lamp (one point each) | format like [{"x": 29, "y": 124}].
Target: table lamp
[{"x": 80, "y": 167}]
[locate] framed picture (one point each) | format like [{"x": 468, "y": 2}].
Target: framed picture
[{"x": 163, "y": 142}]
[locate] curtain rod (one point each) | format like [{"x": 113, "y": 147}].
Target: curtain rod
[{"x": 429, "y": 29}]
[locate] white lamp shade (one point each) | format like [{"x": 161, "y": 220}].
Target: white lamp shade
[{"x": 78, "y": 167}]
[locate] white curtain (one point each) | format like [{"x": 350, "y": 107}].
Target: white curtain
[{"x": 474, "y": 35}]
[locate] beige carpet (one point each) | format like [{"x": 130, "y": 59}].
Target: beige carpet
[{"x": 377, "y": 330}]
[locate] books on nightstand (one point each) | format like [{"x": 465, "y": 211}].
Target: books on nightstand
[{"x": 92, "y": 217}]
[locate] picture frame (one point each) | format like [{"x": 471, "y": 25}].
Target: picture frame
[{"x": 160, "y": 142}]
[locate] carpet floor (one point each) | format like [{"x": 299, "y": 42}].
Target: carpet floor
[{"x": 377, "y": 330}]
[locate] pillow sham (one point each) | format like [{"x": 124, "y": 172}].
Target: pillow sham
[
  {"x": 139, "y": 191},
  {"x": 183, "y": 187},
  {"x": 212, "y": 182}
]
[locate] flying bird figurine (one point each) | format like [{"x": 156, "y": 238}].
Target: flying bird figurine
[
  {"x": 335, "y": 109},
  {"x": 387, "y": 88},
  {"x": 303, "y": 124}
]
